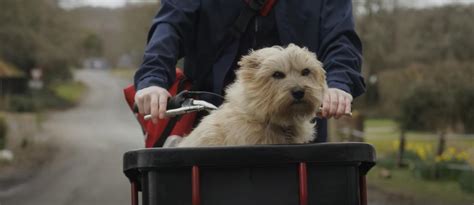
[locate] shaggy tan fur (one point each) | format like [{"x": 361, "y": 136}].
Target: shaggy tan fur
[{"x": 260, "y": 108}]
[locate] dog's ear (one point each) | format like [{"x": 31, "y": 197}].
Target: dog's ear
[
  {"x": 250, "y": 61},
  {"x": 248, "y": 64}
]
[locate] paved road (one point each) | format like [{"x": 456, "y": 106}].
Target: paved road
[{"x": 93, "y": 137}]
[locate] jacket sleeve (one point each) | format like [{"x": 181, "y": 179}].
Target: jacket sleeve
[
  {"x": 340, "y": 48},
  {"x": 172, "y": 28}
]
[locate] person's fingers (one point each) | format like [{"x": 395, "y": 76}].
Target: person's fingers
[
  {"x": 341, "y": 108},
  {"x": 139, "y": 102},
  {"x": 154, "y": 108},
  {"x": 326, "y": 104},
  {"x": 334, "y": 104},
  {"x": 163, "y": 100},
  {"x": 146, "y": 104},
  {"x": 348, "y": 105}
]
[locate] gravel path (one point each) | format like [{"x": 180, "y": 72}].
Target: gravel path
[{"x": 87, "y": 170}]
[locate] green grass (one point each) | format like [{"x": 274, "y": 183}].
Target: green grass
[
  {"x": 384, "y": 147},
  {"x": 383, "y": 134},
  {"x": 403, "y": 182},
  {"x": 71, "y": 92},
  {"x": 375, "y": 123}
]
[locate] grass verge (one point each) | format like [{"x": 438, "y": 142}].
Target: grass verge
[
  {"x": 384, "y": 134},
  {"x": 56, "y": 96},
  {"x": 71, "y": 92},
  {"x": 403, "y": 182}
]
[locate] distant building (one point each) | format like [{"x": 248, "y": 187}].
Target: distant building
[{"x": 12, "y": 79}]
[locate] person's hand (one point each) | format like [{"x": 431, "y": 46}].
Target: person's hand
[
  {"x": 336, "y": 103},
  {"x": 152, "y": 100}
]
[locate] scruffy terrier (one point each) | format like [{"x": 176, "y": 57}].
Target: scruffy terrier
[{"x": 276, "y": 94}]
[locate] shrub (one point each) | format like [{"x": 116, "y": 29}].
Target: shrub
[
  {"x": 466, "y": 181},
  {"x": 44, "y": 99},
  {"x": 425, "y": 170},
  {"x": 424, "y": 163},
  {"x": 433, "y": 98},
  {"x": 3, "y": 131},
  {"x": 57, "y": 71},
  {"x": 390, "y": 160},
  {"x": 439, "y": 167},
  {"x": 436, "y": 171},
  {"x": 70, "y": 92},
  {"x": 49, "y": 99},
  {"x": 425, "y": 108},
  {"x": 22, "y": 103}
]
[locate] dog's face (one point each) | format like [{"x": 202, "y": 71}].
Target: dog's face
[{"x": 283, "y": 81}]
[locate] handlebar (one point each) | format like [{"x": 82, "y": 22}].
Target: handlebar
[{"x": 183, "y": 103}]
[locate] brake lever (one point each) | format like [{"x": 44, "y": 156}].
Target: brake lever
[{"x": 189, "y": 105}]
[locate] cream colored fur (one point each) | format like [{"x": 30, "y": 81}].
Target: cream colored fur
[{"x": 259, "y": 108}]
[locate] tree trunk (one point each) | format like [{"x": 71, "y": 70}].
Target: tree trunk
[
  {"x": 401, "y": 149},
  {"x": 440, "y": 150},
  {"x": 441, "y": 143}
]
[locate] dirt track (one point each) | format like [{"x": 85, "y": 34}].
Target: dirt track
[{"x": 87, "y": 170}]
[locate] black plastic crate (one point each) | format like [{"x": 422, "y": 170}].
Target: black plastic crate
[{"x": 320, "y": 174}]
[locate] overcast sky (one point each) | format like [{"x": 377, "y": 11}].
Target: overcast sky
[{"x": 119, "y": 3}]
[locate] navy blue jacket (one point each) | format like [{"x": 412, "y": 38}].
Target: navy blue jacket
[{"x": 193, "y": 29}]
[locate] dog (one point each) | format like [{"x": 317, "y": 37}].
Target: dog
[{"x": 276, "y": 94}]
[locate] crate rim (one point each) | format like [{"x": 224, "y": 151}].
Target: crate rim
[{"x": 140, "y": 160}]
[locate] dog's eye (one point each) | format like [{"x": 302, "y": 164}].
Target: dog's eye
[
  {"x": 305, "y": 72},
  {"x": 278, "y": 75}
]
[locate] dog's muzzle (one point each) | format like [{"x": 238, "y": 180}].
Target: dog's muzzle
[{"x": 298, "y": 93}]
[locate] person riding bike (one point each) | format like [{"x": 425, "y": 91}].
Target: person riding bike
[{"x": 195, "y": 29}]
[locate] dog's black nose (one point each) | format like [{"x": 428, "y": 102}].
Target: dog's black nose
[{"x": 298, "y": 94}]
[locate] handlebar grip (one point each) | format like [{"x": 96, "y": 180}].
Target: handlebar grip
[{"x": 173, "y": 103}]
